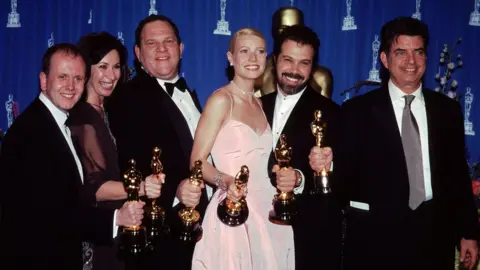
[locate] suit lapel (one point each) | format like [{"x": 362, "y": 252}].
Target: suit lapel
[
  {"x": 433, "y": 134},
  {"x": 268, "y": 103},
  {"x": 194, "y": 96},
  {"x": 58, "y": 140},
  {"x": 169, "y": 108}
]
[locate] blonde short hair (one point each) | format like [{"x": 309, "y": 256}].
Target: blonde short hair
[{"x": 247, "y": 31}]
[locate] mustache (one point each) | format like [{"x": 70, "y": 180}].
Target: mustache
[{"x": 293, "y": 75}]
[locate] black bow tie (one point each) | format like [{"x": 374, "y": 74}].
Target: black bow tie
[{"x": 181, "y": 85}]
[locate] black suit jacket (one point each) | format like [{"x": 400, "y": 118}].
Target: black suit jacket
[
  {"x": 319, "y": 218},
  {"x": 142, "y": 115},
  {"x": 373, "y": 170},
  {"x": 45, "y": 216}
]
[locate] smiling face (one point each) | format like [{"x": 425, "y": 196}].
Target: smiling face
[
  {"x": 65, "y": 81},
  {"x": 159, "y": 51},
  {"x": 104, "y": 75},
  {"x": 406, "y": 62},
  {"x": 294, "y": 66},
  {"x": 248, "y": 56}
]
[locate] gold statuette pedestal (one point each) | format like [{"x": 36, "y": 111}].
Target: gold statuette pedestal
[
  {"x": 187, "y": 225},
  {"x": 321, "y": 179},
  {"x": 133, "y": 238},
  {"x": 284, "y": 203},
  {"x": 235, "y": 213}
]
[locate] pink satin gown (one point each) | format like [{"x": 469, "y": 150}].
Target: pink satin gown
[{"x": 257, "y": 244}]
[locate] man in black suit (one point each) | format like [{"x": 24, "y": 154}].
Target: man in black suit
[
  {"x": 45, "y": 217},
  {"x": 156, "y": 108},
  {"x": 401, "y": 161},
  {"x": 290, "y": 111}
]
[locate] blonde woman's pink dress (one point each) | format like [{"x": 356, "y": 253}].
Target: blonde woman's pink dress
[{"x": 257, "y": 244}]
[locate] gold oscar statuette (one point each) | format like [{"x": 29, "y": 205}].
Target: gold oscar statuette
[
  {"x": 321, "y": 179},
  {"x": 155, "y": 221},
  {"x": 188, "y": 228},
  {"x": 133, "y": 238},
  {"x": 284, "y": 208},
  {"x": 235, "y": 213}
]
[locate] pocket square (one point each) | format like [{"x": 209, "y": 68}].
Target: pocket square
[{"x": 360, "y": 205}]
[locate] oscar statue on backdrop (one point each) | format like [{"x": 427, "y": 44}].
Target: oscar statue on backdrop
[
  {"x": 222, "y": 24},
  {"x": 51, "y": 40},
  {"x": 475, "y": 15},
  {"x": 152, "y": 10},
  {"x": 321, "y": 179},
  {"x": 374, "y": 74},
  {"x": 186, "y": 226},
  {"x": 155, "y": 221},
  {"x": 120, "y": 37},
  {"x": 349, "y": 20},
  {"x": 322, "y": 79},
  {"x": 12, "y": 110},
  {"x": 90, "y": 18},
  {"x": 468, "y": 106},
  {"x": 235, "y": 213},
  {"x": 284, "y": 203},
  {"x": 133, "y": 238},
  {"x": 417, "y": 15},
  {"x": 13, "y": 16}
]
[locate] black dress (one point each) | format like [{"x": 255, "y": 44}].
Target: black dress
[{"x": 96, "y": 149}]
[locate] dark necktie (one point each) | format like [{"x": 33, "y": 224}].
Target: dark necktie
[
  {"x": 413, "y": 155},
  {"x": 180, "y": 84}
]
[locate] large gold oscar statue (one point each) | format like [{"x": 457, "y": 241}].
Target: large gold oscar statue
[{"x": 322, "y": 79}]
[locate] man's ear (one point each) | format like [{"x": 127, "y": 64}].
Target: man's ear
[
  {"x": 383, "y": 58},
  {"x": 137, "y": 51},
  {"x": 43, "y": 81}
]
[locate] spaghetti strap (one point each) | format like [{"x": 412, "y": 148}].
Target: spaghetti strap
[
  {"x": 231, "y": 103},
  {"x": 261, "y": 107}
]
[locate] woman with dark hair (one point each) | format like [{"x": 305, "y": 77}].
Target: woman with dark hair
[{"x": 106, "y": 59}]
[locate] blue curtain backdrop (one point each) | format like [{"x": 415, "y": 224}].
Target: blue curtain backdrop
[{"x": 348, "y": 54}]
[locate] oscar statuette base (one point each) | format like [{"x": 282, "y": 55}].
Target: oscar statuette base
[
  {"x": 321, "y": 184},
  {"x": 187, "y": 230},
  {"x": 284, "y": 210},
  {"x": 232, "y": 218}
]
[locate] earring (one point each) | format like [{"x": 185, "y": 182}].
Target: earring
[{"x": 231, "y": 64}]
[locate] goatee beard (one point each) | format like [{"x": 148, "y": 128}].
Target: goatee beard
[{"x": 292, "y": 90}]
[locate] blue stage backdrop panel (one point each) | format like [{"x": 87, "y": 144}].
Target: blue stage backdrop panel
[{"x": 347, "y": 29}]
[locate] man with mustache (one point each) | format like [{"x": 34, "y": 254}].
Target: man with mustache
[{"x": 290, "y": 111}]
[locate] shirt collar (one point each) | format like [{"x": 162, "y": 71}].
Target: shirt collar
[
  {"x": 162, "y": 82},
  {"x": 59, "y": 115},
  {"x": 294, "y": 97},
  {"x": 397, "y": 95}
]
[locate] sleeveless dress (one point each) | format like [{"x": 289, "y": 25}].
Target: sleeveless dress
[{"x": 257, "y": 244}]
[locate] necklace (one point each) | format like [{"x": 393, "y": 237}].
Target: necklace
[{"x": 240, "y": 90}]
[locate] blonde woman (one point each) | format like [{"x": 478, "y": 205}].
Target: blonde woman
[{"x": 233, "y": 128}]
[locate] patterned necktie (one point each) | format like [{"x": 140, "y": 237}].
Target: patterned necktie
[
  {"x": 413, "y": 155},
  {"x": 180, "y": 84}
]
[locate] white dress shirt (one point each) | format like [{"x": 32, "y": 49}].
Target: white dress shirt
[
  {"x": 284, "y": 105},
  {"x": 185, "y": 104},
  {"x": 420, "y": 113}
]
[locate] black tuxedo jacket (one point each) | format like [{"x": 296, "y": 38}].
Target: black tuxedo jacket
[
  {"x": 142, "y": 116},
  {"x": 372, "y": 168},
  {"x": 45, "y": 216},
  {"x": 319, "y": 218}
]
